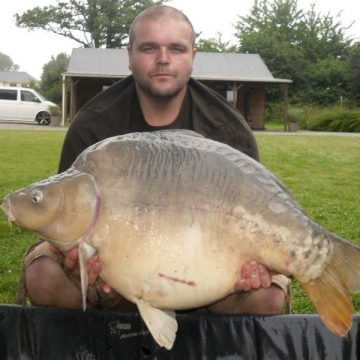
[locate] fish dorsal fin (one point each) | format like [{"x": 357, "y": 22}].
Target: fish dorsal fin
[
  {"x": 86, "y": 251},
  {"x": 161, "y": 323}
]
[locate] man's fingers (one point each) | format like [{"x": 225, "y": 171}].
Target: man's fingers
[
  {"x": 106, "y": 288},
  {"x": 254, "y": 276},
  {"x": 72, "y": 259},
  {"x": 265, "y": 278},
  {"x": 94, "y": 269},
  {"x": 54, "y": 249},
  {"x": 242, "y": 285}
]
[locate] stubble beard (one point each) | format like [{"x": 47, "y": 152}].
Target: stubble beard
[
  {"x": 157, "y": 94},
  {"x": 155, "y": 90}
]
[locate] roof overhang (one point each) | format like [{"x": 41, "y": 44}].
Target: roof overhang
[
  {"x": 200, "y": 78},
  {"x": 274, "y": 81}
]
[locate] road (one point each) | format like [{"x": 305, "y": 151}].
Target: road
[{"x": 30, "y": 126}]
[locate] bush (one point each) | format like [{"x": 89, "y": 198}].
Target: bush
[
  {"x": 337, "y": 119},
  {"x": 295, "y": 114},
  {"x": 274, "y": 111}
]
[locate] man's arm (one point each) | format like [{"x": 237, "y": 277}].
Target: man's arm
[{"x": 86, "y": 129}]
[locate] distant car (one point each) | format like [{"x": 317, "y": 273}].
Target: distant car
[{"x": 23, "y": 104}]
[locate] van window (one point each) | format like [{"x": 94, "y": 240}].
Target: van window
[
  {"x": 28, "y": 96},
  {"x": 8, "y": 94}
]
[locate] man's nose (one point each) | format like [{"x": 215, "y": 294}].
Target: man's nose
[{"x": 163, "y": 57}]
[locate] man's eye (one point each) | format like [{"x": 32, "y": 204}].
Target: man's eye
[
  {"x": 177, "y": 50},
  {"x": 148, "y": 49}
]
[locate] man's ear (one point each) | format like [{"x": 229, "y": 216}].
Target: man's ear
[
  {"x": 129, "y": 50},
  {"x": 194, "y": 53}
]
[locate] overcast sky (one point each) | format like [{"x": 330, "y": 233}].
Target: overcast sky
[{"x": 31, "y": 50}]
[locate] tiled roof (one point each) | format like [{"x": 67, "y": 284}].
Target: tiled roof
[
  {"x": 207, "y": 66},
  {"x": 15, "y": 77}
]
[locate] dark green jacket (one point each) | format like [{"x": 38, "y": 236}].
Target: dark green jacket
[{"x": 108, "y": 114}]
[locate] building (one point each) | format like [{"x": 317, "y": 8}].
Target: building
[
  {"x": 15, "y": 78},
  {"x": 241, "y": 78}
]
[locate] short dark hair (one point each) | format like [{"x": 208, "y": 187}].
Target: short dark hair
[{"x": 159, "y": 11}]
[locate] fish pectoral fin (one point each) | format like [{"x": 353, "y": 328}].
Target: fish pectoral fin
[
  {"x": 86, "y": 252},
  {"x": 162, "y": 324}
]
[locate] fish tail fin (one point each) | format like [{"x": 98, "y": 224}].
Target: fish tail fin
[{"x": 329, "y": 292}]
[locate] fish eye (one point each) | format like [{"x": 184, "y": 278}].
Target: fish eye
[{"x": 36, "y": 196}]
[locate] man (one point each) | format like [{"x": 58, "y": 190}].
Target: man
[{"x": 159, "y": 95}]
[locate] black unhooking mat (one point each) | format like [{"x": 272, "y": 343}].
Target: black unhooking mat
[{"x": 43, "y": 333}]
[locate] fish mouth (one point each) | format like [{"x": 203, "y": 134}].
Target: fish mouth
[{"x": 5, "y": 206}]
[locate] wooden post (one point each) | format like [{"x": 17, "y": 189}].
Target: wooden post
[
  {"x": 286, "y": 103},
  {"x": 235, "y": 89},
  {"x": 64, "y": 101}
]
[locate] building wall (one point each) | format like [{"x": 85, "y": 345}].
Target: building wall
[
  {"x": 251, "y": 100},
  {"x": 4, "y": 83},
  {"x": 84, "y": 89},
  {"x": 251, "y": 103}
]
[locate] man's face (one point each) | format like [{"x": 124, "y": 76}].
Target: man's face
[{"x": 161, "y": 57}]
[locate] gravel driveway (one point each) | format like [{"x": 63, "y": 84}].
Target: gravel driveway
[{"x": 30, "y": 126}]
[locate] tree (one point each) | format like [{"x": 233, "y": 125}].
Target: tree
[
  {"x": 326, "y": 82},
  {"x": 322, "y": 36},
  {"x": 91, "y": 23},
  {"x": 215, "y": 45},
  {"x": 271, "y": 31},
  {"x": 295, "y": 45},
  {"x": 51, "y": 79},
  {"x": 353, "y": 73},
  {"x": 6, "y": 64}
]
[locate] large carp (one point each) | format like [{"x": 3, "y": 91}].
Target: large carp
[{"x": 174, "y": 216}]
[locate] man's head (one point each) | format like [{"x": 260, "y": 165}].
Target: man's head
[
  {"x": 160, "y": 12},
  {"x": 161, "y": 51}
]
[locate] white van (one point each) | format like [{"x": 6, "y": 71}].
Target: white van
[{"x": 23, "y": 104}]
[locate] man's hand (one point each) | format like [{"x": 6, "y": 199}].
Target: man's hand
[
  {"x": 71, "y": 262},
  {"x": 253, "y": 276}
]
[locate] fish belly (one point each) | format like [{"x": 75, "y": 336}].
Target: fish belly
[{"x": 173, "y": 259}]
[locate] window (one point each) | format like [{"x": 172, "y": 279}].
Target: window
[
  {"x": 230, "y": 96},
  {"x": 6, "y": 94},
  {"x": 28, "y": 96}
]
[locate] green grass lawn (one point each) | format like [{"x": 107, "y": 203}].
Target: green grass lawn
[
  {"x": 322, "y": 171},
  {"x": 25, "y": 157},
  {"x": 274, "y": 126}
]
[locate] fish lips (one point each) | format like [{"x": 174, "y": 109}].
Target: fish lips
[{"x": 5, "y": 206}]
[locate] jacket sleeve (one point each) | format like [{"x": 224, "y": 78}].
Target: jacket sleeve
[
  {"x": 215, "y": 118},
  {"x": 239, "y": 136},
  {"x": 105, "y": 115},
  {"x": 85, "y": 130}
]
